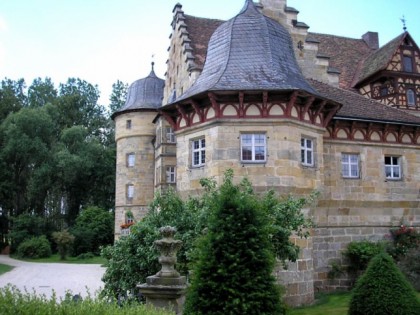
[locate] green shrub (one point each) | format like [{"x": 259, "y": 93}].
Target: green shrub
[
  {"x": 64, "y": 240},
  {"x": 13, "y": 301},
  {"x": 409, "y": 264},
  {"x": 35, "y": 247},
  {"x": 24, "y": 227},
  {"x": 404, "y": 238},
  {"x": 360, "y": 253},
  {"x": 233, "y": 274},
  {"x": 94, "y": 228},
  {"x": 383, "y": 290}
]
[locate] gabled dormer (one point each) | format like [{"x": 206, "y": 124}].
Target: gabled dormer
[{"x": 391, "y": 75}]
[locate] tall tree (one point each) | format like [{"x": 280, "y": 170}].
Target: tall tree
[
  {"x": 41, "y": 92},
  {"x": 26, "y": 138},
  {"x": 12, "y": 97},
  {"x": 118, "y": 96}
]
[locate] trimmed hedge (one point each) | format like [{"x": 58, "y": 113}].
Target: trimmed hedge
[{"x": 383, "y": 290}]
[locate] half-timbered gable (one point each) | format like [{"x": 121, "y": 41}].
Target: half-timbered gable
[{"x": 391, "y": 75}]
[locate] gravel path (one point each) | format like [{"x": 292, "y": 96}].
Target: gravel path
[{"x": 43, "y": 278}]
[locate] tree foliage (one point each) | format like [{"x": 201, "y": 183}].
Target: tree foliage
[
  {"x": 383, "y": 290},
  {"x": 64, "y": 241},
  {"x": 132, "y": 258},
  {"x": 118, "y": 96},
  {"x": 57, "y": 151},
  {"x": 94, "y": 228},
  {"x": 233, "y": 273}
]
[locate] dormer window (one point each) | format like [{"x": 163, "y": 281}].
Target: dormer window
[
  {"x": 411, "y": 98},
  {"x": 408, "y": 63}
]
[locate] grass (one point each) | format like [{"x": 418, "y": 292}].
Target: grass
[
  {"x": 69, "y": 260},
  {"x": 331, "y": 304},
  {"x": 5, "y": 268}
]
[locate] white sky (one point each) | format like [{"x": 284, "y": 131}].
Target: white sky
[{"x": 102, "y": 41}]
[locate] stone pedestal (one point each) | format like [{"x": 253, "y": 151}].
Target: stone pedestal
[{"x": 167, "y": 288}]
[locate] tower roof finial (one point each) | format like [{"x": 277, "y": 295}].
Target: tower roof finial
[{"x": 403, "y": 20}]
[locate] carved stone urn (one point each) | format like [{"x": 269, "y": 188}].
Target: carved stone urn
[{"x": 166, "y": 289}]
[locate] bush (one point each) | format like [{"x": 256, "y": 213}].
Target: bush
[
  {"x": 94, "y": 228},
  {"x": 360, "y": 253},
  {"x": 233, "y": 274},
  {"x": 404, "y": 238},
  {"x": 383, "y": 290},
  {"x": 24, "y": 227},
  {"x": 64, "y": 240},
  {"x": 35, "y": 247},
  {"x": 85, "y": 256},
  {"x": 410, "y": 267},
  {"x": 13, "y": 301}
]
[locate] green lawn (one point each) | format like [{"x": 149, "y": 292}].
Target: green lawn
[
  {"x": 331, "y": 304},
  {"x": 69, "y": 260},
  {"x": 5, "y": 268}
]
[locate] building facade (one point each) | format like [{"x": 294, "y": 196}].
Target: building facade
[{"x": 291, "y": 110}]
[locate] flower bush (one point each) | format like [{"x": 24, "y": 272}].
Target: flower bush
[{"x": 404, "y": 238}]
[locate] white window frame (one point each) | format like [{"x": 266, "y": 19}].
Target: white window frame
[
  {"x": 393, "y": 165},
  {"x": 198, "y": 149},
  {"x": 170, "y": 135},
  {"x": 252, "y": 142},
  {"x": 307, "y": 150},
  {"x": 131, "y": 159},
  {"x": 170, "y": 174},
  {"x": 350, "y": 165}
]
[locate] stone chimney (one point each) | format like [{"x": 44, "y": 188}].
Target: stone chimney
[{"x": 371, "y": 39}]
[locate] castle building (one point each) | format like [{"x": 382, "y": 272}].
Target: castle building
[{"x": 291, "y": 110}]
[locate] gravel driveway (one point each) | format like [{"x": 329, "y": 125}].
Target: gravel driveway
[{"x": 46, "y": 277}]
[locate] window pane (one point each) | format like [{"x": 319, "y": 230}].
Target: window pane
[
  {"x": 353, "y": 158},
  {"x": 203, "y": 157},
  {"x": 246, "y": 139},
  {"x": 203, "y": 143},
  {"x": 388, "y": 171},
  {"x": 309, "y": 157},
  {"x": 309, "y": 144},
  {"x": 196, "y": 158},
  {"x": 259, "y": 153},
  {"x": 408, "y": 64},
  {"x": 387, "y": 160},
  {"x": 396, "y": 172},
  {"x": 246, "y": 153}
]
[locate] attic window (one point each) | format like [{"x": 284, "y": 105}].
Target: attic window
[
  {"x": 384, "y": 90},
  {"x": 408, "y": 63}
]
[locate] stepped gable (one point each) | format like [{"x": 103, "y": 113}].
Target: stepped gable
[
  {"x": 355, "y": 106},
  {"x": 345, "y": 54},
  {"x": 200, "y": 31},
  {"x": 250, "y": 52},
  {"x": 379, "y": 60},
  {"x": 146, "y": 93}
]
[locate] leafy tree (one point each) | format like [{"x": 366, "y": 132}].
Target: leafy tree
[
  {"x": 26, "y": 139},
  {"x": 233, "y": 274},
  {"x": 94, "y": 228},
  {"x": 383, "y": 290},
  {"x": 12, "y": 97},
  {"x": 41, "y": 92},
  {"x": 118, "y": 96},
  {"x": 64, "y": 240}
]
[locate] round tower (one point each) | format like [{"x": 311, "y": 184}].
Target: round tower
[{"x": 134, "y": 135}]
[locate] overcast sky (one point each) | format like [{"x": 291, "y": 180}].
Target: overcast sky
[{"x": 102, "y": 41}]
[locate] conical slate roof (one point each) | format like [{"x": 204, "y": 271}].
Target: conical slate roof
[
  {"x": 146, "y": 93},
  {"x": 250, "y": 52}
]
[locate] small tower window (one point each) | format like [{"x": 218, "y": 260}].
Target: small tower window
[
  {"x": 130, "y": 193},
  {"x": 131, "y": 159},
  {"x": 128, "y": 124},
  {"x": 411, "y": 98}
]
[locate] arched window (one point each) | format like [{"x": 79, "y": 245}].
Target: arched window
[{"x": 411, "y": 98}]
